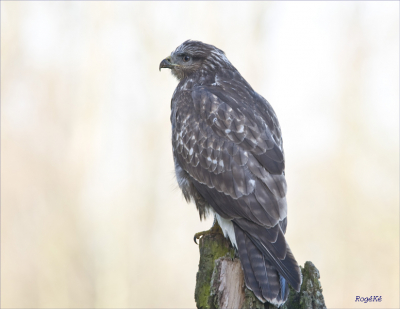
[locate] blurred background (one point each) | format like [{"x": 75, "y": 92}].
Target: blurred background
[{"x": 91, "y": 216}]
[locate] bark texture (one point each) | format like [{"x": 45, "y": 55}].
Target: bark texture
[{"x": 220, "y": 281}]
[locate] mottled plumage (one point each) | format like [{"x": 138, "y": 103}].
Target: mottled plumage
[{"x": 229, "y": 159}]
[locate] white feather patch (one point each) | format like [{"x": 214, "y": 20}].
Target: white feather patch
[{"x": 227, "y": 228}]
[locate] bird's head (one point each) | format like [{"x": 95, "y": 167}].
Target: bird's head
[{"x": 193, "y": 56}]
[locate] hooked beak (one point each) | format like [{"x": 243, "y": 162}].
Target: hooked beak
[{"x": 167, "y": 63}]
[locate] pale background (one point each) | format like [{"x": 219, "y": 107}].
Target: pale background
[{"x": 90, "y": 213}]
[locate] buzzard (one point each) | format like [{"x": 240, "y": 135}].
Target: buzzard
[{"x": 229, "y": 160}]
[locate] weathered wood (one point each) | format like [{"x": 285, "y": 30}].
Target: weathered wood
[
  {"x": 220, "y": 281},
  {"x": 310, "y": 295},
  {"x": 212, "y": 247},
  {"x": 227, "y": 284}
]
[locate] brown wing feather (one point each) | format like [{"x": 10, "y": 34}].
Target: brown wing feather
[{"x": 227, "y": 138}]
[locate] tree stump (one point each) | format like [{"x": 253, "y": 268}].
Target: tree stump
[{"x": 220, "y": 281}]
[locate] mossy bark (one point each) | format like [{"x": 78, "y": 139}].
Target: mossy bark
[
  {"x": 220, "y": 281},
  {"x": 212, "y": 247}
]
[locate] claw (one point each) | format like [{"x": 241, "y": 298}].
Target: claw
[{"x": 215, "y": 229}]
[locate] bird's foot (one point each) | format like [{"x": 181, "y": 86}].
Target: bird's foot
[{"x": 215, "y": 229}]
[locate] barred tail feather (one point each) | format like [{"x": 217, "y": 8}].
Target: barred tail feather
[
  {"x": 273, "y": 246},
  {"x": 260, "y": 274},
  {"x": 249, "y": 277}
]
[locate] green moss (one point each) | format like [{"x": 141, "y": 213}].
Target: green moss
[
  {"x": 212, "y": 247},
  {"x": 310, "y": 295},
  {"x": 251, "y": 301},
  {"x": 293, "y": 301}
]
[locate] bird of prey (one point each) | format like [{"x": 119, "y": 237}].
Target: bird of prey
[{"x": 229, "y": 160}]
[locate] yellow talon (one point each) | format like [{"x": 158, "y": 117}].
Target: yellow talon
[{"x": 215, "y": 229}]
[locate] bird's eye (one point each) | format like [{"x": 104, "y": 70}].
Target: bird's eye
[{"x": 185, "y": 58}]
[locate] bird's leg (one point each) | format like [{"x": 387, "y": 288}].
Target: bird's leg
[{"x": 215, "y": 229}]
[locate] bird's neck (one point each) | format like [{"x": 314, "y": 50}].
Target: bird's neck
[{"x": 201, "y": 77}]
